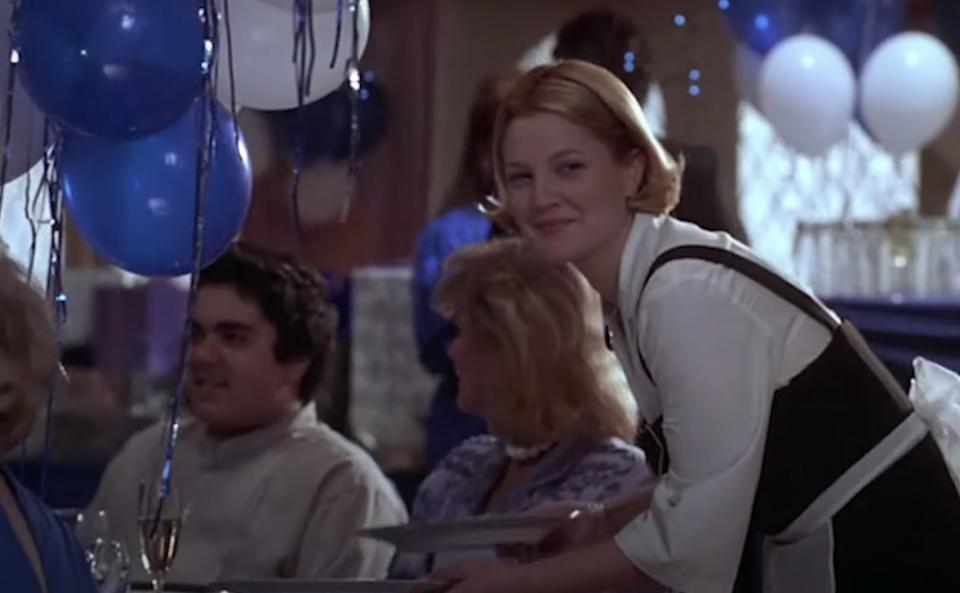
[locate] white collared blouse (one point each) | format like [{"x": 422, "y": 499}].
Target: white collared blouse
[{"x": 718, "y": 346}]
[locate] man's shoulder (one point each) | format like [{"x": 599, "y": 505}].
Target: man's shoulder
[
  {"x": 148, "y": 439},
  {"x": 339, "y": 467},
  {"x": 144, "y": 441},
  {"x": 147, "y": 445},
  {"x": 319, "y": 449}
]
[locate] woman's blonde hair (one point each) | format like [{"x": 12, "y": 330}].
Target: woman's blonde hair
[
  {"x": 533, "y": 317},
  {"x": 28, "y": 352},
  {"x": 592, "y": 97}
]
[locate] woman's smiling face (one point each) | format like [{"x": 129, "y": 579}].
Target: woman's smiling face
[{"x": 565, "y": 188}]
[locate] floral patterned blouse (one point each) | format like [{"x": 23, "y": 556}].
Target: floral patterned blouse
[{"x": 573, "y": 470}]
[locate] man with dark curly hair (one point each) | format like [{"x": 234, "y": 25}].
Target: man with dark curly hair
[{"x": 272, "y": 492}]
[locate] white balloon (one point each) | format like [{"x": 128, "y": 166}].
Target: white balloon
[
  {"x": 746, "y": 73},
  {"x": 807, "y": 90},
  {"x": 908, "y": 91},
  {"x": 262, "y": 43}
]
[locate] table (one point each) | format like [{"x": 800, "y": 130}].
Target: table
[{"x": 899, "y": 330}]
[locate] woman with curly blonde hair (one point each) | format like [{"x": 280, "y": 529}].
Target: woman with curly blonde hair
[
  {"x": 37, "y": 551},
  {"x": 459, "y": 222},
  {"x": 531, "y": 364}
]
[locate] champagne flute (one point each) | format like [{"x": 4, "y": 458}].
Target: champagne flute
[{"x": 159, "y": 521}]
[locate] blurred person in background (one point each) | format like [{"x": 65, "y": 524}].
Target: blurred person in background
[{"x": 459, "y": 223}]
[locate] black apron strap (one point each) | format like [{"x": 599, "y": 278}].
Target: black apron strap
[{"x": 753, "y": 270}]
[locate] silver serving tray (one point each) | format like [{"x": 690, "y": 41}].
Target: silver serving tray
[
  {"x": 483, "y": 532},
  {"x": 327, "y": 586}
]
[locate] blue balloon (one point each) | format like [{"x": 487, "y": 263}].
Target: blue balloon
[
  {"x": 855, "y": 26},
  {"x": 761, "y": 24},
  {"x": 115, "y": 68},
  {"x": 134, "y": 200}
]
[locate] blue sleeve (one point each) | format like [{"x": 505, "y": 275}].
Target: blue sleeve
[
  {"x": 433, "y": 332},
  {"x": 439, "y": 240},
  {"x": 65, "y": 566}
]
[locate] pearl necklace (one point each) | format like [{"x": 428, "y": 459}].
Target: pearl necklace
[{"x": 521, "y": 454}]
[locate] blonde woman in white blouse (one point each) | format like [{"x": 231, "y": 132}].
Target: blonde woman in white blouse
[{"x": 785, "y": 449}]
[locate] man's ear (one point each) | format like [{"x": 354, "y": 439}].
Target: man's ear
[{"x": 295, "y": 370}]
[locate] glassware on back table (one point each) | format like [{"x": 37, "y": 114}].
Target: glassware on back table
[
  {"x": 940, "y": 240},
  {"x": 108, "y": 558},
  {"x": 92, "y": 530},
  {"x": 813, "y": 252},
  {"x": 160, "y": 520},
  {"x": 805, "y": 255},
  {"x": 111, "y": 568}
]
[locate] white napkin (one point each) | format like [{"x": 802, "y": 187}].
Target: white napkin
[{"x": 935, "y": 394}]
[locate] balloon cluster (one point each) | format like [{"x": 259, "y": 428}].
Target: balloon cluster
[
  {"x": 132, "y": 89},
  {"x": 127, "y": 100},
  {"x": 811, "y": 66}
]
